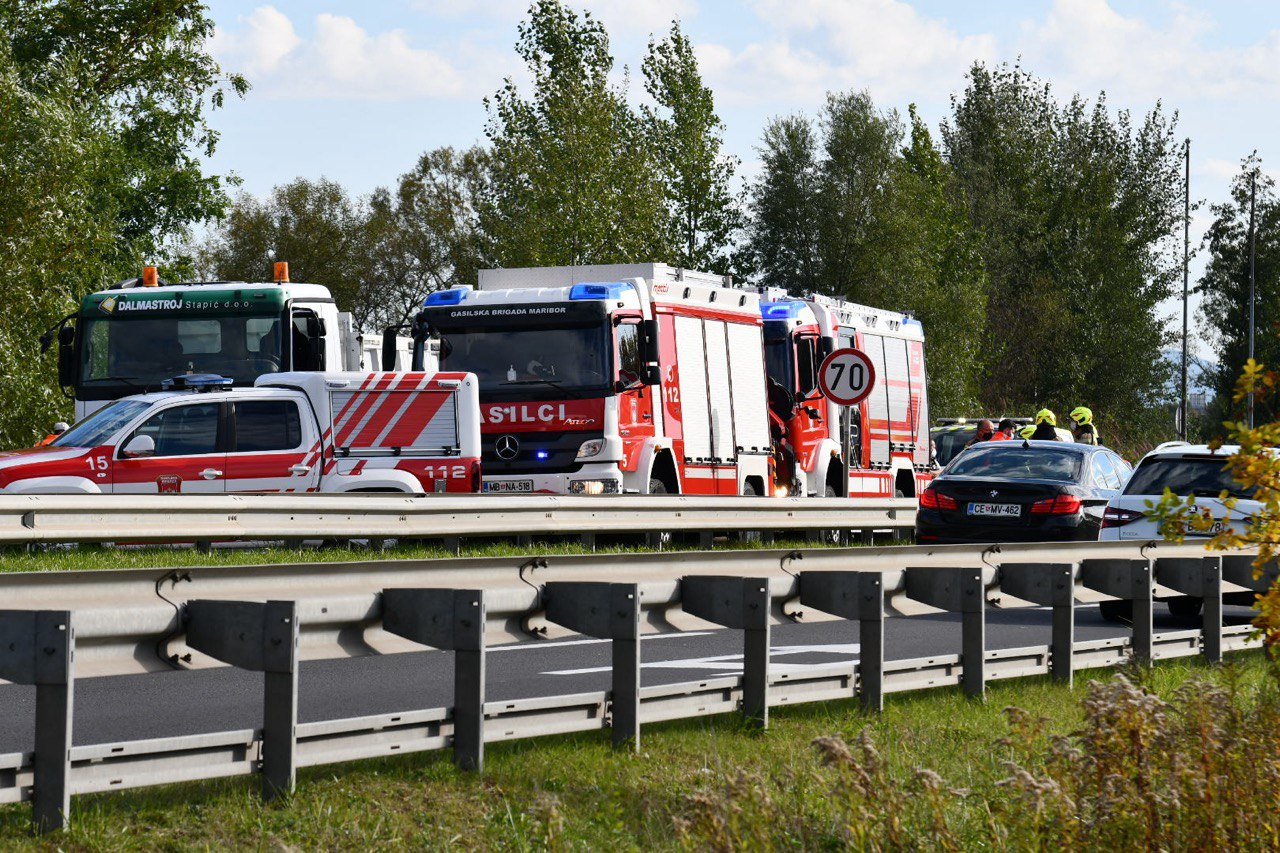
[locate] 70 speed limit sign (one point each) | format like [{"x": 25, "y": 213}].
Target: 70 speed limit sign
[{"x": 846, "y": 376}]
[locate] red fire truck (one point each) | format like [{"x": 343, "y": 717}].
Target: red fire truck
[
  {"x": 637, "y": 379},
  {"x": 876, "y": 448}
]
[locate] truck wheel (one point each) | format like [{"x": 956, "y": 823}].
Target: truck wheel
[
  {"x": 659, "y": 540},
  {"x": 749, "y": 490},
  {"x": 657, "y": 487},
  {"x": 1120, "y": 612},
  {"x": 830, "y": 536}
]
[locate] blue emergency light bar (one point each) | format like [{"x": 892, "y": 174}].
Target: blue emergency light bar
[
  {"x": 783, "y": 310},
  {"x": 599, "y": 290},
  {"x": 196, "y": 382},
  {"x": 452, "y": 296}
]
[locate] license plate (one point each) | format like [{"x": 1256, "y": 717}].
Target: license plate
[
  {"x": 1000, "y": 510},
  {"x": 509, "y": 486}
]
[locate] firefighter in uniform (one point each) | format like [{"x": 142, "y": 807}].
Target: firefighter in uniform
[
  {"x": 1084, "y": 430},
  {"x": 1045, "y": 423}
]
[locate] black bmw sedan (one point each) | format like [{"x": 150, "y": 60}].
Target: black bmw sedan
[{"x": 1021, "y": 491}]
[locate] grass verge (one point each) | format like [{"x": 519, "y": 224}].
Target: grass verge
[{"x": 1180, "y": 756}]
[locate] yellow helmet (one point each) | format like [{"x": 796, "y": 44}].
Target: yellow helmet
[
  {"x": 1044, "y": 416},
  {"x": 1082, "y": 415},
  {"x": 1027, "y": 431}
]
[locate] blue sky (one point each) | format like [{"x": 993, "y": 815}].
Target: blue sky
[{"x": 356, "y": 91}]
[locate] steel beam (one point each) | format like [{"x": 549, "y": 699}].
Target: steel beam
[
  {"x": 1051, "y": 585},
  {"x": 262, "y": 637},
  {"x": 737, "y": 602},
  {"x": 1198, "y": 577},
  {"x": 608, "y": 611},
  {"x": 854, "y": 595},
  {"x": 1130, "y": 580},
  {"x": 39, "y": 649},
  {"x": 454, "y": 620},
  {"x": 959, "y": 590}
]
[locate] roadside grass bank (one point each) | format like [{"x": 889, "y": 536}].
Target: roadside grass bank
[
  {"x": 90, "y": 557},
  {"x": 1182, "y": 756}
]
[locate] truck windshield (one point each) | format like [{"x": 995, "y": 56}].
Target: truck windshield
[
  {"x": 133, "y": 354},
  {"x": 101, "y": 425},
  {"x": 536, "y": 362}
]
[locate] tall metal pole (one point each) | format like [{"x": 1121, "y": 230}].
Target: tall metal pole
[
  {"x": 1186, "y": 256},
  {"x": 1253, "y": 289}
]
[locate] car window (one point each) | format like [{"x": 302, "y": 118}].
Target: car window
[
  {"x": 1123, "y": 469},
  {"x": 264, "y": 425},
  {"x": 184, "y": 430},
  {"x": 1017, "y": 463},
  {"x": 950, "y": 441},
  {"x": 1206, "y": 476},
  {"x": 1104, "y": 473}
]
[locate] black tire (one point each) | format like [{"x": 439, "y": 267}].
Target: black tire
[
  {"x": 658, "y": 539},
  {"x": 657, "y": 487},
  {"x": 749, "y": 490},
  {"x": 1187, "y": 607},
  {"x": 829, "y": 536},
  {"x": 1120, "y": 612}
]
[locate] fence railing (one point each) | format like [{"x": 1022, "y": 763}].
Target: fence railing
[
  {"x": 167, "y": 518},
  {"x": 64, "y": 625}
]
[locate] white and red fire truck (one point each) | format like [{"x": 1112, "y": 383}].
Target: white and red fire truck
[
  {"x": 878, "y": 447},
  {"x": 292, "y": 432},
  {"x": 636, "y": 378}
]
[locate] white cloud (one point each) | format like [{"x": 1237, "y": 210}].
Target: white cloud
[
  {"x": 617, "y": 15},
  {"x": 886, "y": 46},
  {"x": 340, "y": 60},
  {"x": 1096, "y": 47}
]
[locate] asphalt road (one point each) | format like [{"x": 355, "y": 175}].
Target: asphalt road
[{"x": 132, "y": 707}]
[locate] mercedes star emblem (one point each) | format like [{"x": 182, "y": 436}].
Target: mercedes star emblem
[{"x": 507, "y": 447}]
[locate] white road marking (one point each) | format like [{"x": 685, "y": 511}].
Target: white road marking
[
  {"x": 589, "y": 642},
  {"x": 732, "y": 664}
]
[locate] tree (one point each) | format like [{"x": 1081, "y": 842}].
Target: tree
[
  {"x": 1077, "y": 211},
  {"x": 1225, "y": 286},
  {"x": 688, "y": 138},
  {"x": 784, "y": 204},
  {"x": 573, "y": 180}
]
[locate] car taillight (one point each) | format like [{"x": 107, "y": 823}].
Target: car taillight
[
  {"x": 1061, "y": 505},
  {"x": 1115, "y": 517},
  {"x": 931, "y": 498}
]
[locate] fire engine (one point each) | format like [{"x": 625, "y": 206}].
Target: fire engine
[
  {"x": 131, "y": 337},
  {"x": 876, "y": 448},
  {"x": 292, "y": 432},
  {"x": 632, "y": 378}
]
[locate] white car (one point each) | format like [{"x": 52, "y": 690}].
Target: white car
[{"x": 1188, "y": 470}]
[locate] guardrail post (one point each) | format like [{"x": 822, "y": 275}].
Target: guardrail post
[
  {"x": 453, "y": 620},
  {"x": 1050, "y": 585},
  {"x": 1130, "y": 580},
  {"x": 854, "y": 595},
  {"x": 261, "y": 637},
  {"x": 608, "y": 611},
  {"x": 737, "y": 602},
  {"x": 40, "y": 649},
  {"x": 962, "y": 591},
  {"x": 1199, "y": 577}
]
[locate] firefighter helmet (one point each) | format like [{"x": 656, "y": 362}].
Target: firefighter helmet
[
  {"x": 1082, "y": 415},
  {"x": 1044, "y": 416},
  {"x": 1027, "y": 431}
]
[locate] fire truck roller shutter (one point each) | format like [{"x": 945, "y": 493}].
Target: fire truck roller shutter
[
  {"x": 750, "y": 400},
  {"x": 920, "y": 394},
  {"x": 877, "y": 402},
  {"x": 722, "y": 431},
  {"x": 692, "y": 357},
  {"x": 895, "y": 357},
  {"x": 381, "y": 419}
]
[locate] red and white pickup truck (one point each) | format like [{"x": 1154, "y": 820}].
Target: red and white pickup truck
[{"x": 292, "y": 432}]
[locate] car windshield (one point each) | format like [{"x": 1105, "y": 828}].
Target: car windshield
[
  {"x": 949, "y": 442},
  {"x": 546, "y": 361},
  {"x": 101, "y": 425},
  {"x": 1018, "y": 463},
  {"x": 1185, "y": 476}
]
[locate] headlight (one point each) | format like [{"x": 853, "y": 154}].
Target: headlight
[
  {"x": 591, "y": 448},
  {"x": 593, "y": 487}
]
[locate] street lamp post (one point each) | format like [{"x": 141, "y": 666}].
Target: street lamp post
[{"x": 1253, "y": 288}]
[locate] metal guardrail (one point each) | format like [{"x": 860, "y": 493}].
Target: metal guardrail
[
  {"x": 166, "y": 518},
  {"x": 63, "y": 625}
]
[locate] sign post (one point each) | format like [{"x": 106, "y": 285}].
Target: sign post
[{"x": 846, "y": 376}]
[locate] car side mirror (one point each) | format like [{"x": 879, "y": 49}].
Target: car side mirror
[{"x": 138, "y": 446}]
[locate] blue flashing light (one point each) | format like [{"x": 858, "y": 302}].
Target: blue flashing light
[
  {"x": 599, "y": 290},
  {"x": 453, "y": 296},
  {"x": 787, "y": 309},
  {"x": 196, "y": 382},
  {"x": 543, "y": 454}
]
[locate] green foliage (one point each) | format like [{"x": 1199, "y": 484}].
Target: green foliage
[
  {"x": 573, "y": 180},
  {"x": 1078, "y": 210},
  {"x": 784, "y": 200},
  {"x": 688, "y": 138}
]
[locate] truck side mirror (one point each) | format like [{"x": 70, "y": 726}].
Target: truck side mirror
[
  {"x": 652, "y": 374},
  {"x": 390, "y": 337},
  {"x": 649, "y": 352},
  {"x": 826, "y": 346},
  {"x": 66, "y": 356},
  {"x": 139, "y": 445}
]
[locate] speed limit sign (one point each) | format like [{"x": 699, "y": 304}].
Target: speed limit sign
[{"x": 846, "y": 376}]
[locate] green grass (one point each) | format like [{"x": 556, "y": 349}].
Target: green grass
[{"x": 708, "y": 783}]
